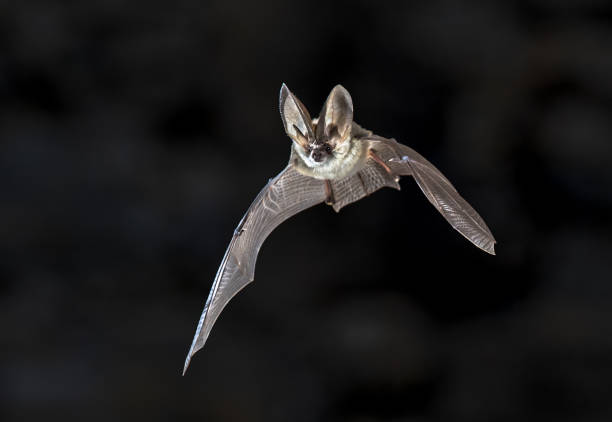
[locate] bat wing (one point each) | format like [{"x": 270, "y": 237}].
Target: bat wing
[
  {"x": 389, "y": 160},
  {"x": 403, "y": 160},
  {"x": 284, "y": 196}
]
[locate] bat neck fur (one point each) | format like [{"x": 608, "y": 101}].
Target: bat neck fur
[{"x": 349, "y": 157}]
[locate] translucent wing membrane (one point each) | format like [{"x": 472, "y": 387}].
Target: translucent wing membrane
[
  {"x": 284, "y": 196},
  {"x": 439, "y": 191}
]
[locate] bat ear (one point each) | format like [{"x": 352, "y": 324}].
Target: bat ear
[
  {"x": 295, "y": 117},
  {"x": 336, "y": 117}
]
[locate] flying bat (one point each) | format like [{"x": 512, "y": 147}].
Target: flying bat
[{"x": 336, "y": 161}]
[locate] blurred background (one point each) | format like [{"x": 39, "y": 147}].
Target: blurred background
[{"x": 134, "y": 135}]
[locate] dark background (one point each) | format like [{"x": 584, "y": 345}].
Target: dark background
[{"x": 135, "y": 134}]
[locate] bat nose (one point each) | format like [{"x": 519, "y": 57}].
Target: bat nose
[{"x": 317, "y": 156}]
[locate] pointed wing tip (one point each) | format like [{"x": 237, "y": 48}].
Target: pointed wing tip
[
  {"x": 490, "y": 248},
  {"x": 487, "y": 245},
  {"x": 195, "y": 347},
  {"x": 188, "y": 360}
]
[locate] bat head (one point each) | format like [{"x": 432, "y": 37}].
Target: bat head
[{"x": 318, "y": 140}]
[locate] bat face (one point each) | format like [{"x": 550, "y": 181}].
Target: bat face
[
  {"x": 323, "y": 144},
  {"x": 318, "y": 154}
]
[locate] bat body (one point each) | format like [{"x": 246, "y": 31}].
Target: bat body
[{"x": 336, "y": 161}]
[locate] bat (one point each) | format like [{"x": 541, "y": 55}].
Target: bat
[{"x": 336, "y": 161}]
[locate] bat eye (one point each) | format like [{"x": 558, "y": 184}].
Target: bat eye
[
  {"x": 328, "y": 149},
  {"x": 308, "y": 150}
]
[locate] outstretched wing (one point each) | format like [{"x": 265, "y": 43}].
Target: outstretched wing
[
  {"x": 284, "y": 196},
  {"x": 403, "y": 160}
]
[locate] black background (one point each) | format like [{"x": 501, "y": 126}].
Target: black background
[{"x": 135, "y": 134}]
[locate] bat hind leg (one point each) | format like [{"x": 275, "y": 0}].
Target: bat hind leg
[
  {"x": 379, "y": 161},
  {"x": 329, "y": 193}
]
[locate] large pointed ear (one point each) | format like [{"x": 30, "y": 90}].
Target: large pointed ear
[
  {"x": 336, "y": 117},
  {"x": 295, "y": 117}
]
